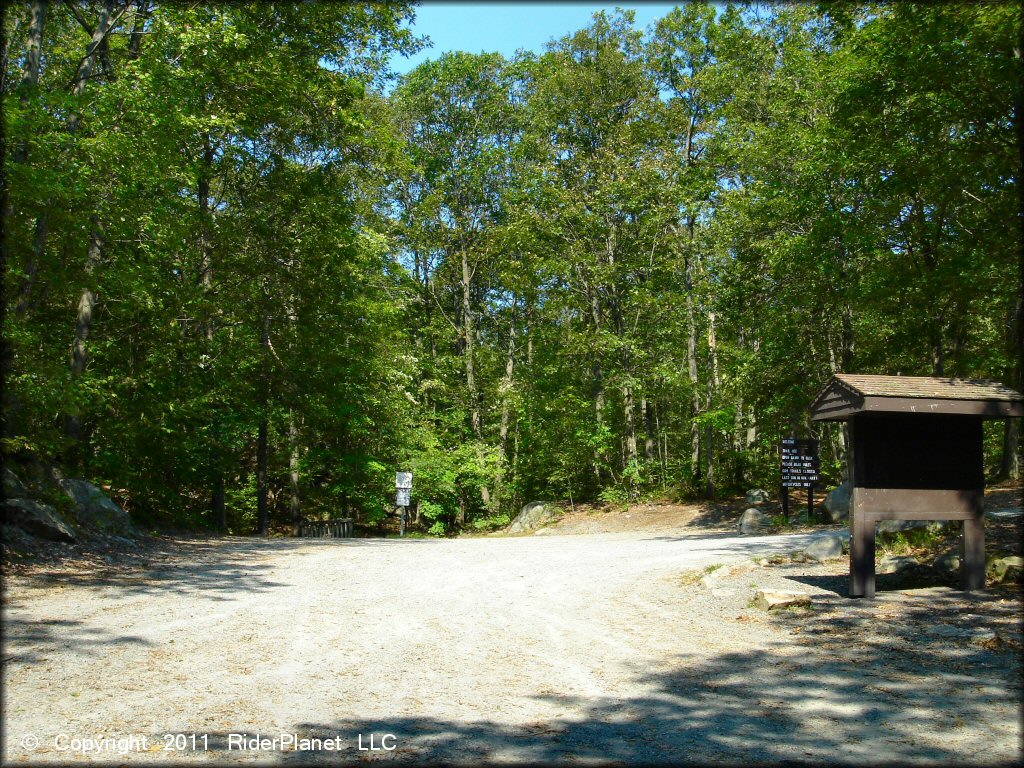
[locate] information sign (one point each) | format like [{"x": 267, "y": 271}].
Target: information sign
[{"x": 800, "y": 463}]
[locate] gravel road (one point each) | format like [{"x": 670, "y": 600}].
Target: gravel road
[{"x": 590, "y": 648}]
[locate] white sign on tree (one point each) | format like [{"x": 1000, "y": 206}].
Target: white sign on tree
[{"x": 403, "y": 479}]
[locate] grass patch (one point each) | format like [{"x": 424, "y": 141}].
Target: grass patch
[{"x": 925, "y": 543}]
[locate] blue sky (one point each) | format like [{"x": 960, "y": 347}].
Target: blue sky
[{"x": 507, "y": 26}]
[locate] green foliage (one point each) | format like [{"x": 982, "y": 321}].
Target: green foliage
[{"x": 619, "y": 269}]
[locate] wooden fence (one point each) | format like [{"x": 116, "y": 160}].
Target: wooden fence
[{"x": 335, "y": 529}]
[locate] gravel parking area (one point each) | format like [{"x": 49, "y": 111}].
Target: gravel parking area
[{"x": 630, "y": 647}]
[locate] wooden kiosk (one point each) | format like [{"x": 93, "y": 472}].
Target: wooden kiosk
[{"x": 916, "y": 448}]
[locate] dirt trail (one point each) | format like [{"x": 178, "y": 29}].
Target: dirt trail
[{"x": 589, "y": 648}]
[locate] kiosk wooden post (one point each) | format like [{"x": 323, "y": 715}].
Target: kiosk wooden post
[{"x": 917, "y": 445}]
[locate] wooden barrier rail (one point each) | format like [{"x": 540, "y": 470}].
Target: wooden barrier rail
[{"x": 335, "y": 529}]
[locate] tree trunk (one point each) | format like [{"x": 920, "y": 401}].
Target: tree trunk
[
  {"x": 691, "y": 361},
  {"x": 938, "y": 348},
  {"x": 293, "y": 471},
  {"x": 262, "y": 510},
  {"x": 649, "y": 433},
  {"x": 138, "y": 29},
  {"x": 467, "y": 352},
  {"x": 99, "y": 36},
  {"x": 529, "y": 334},
  {"x": 217, "y": 507},
  {"x": 87, "y": 299},
  {"x": 262, "y": 488},
  {"x": 104, "y": 24},
  {"x": 714, "y": 387},
  {"x": 205, "y": 226},
  {"x": 847, "y": 357},
  {"x": 506, "y": 408},
  {"x": 32, "y": 268},
  {"x": 709, "y": 451},
  {"x": 30, "y": 69},
  {"x": 598, "y": 376},
  {"x": 27, "y": 86},
  {"x": 83, "y": 324},
  {"x": 1011, "y": 464}
]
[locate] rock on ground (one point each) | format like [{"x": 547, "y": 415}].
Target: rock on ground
[
  {"x": 13, "y": 487},
  {"x": 947, "y": 563},
  {"x": 757, "y": 496},
  {"x": 37, "y": 518},
  {"x": 896, "y": 563},
  {"x": 533, "y": 516},
  {"x": 894, "y": 526},
  {"x": 752, "y": 521},
  {"x": 95, "y": 510},
  {"x": 1008, "y": 568},
  {"x": 826, "y": 547},
  {"x": 768, "y": 599},
  {"x": 837, "y": 503}
]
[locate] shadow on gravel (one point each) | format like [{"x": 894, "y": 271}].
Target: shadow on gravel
[
  {"x": 921, "y": 577},
  {"x": 738, "y": 708},
  {"x": 48, "y": 636},
  {"x": 217, "y": 568},
  {"x": 213, "y": 568},
  {"x": 897, "y": 680}
]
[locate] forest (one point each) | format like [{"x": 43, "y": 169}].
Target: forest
[{"x": 249, "y": 273}]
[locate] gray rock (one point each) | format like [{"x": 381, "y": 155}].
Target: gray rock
[
  {"x": 14, "y": 539},
  {"x": 824, "y": 548},
  {"x": 837, "y": 503},
  {"x": 38, "y": 474},
  {"x": 95, "y": 510},
  {"x": 1004, "y": 514},
  {"x": 757, "y": 496},
  {"x": 13, "y": 487},
  {"x": 896, "y": 526},
  {"x": 1007, "y": 569},
  {"x": 752, "y": 521},
  {"x": 533, "y": 516},
  {"x": 896, "y": 564},
  {"x": 39, "y": 519},
  {"x": 947, "y": 563},
  {"x": 768, "y": 599}
]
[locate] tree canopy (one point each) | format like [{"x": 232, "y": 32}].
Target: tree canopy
[{"x": 245, "y": 280}]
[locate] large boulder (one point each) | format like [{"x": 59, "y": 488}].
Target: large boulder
[
  {"x": 1006, "y": 569},
  {"x": 896, "y": 564},
  {"x": 824, "y": 548},
  {"x": 837, "y": 503},
  {"x": 757, "y": 496},
  {"x": 533, "y": 516},
  {"x": 897, "y": 526},
  {"x": 94, "y": 509},
  {"x": 39, "y": 519},
  {"x": 753, "y": 521},
  {"x": 948, "y": 563},
  {"x": 13, "y": 487}
]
